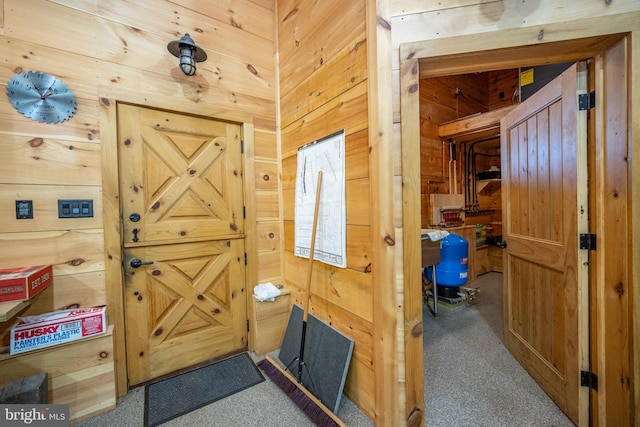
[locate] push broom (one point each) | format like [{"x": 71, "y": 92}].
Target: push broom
[{"x": 292, "y": 387}]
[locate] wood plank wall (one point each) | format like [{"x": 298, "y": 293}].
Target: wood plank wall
[
  {"x": 114, "y": 46},
  {"x": 490, "y": 23},
  {"x": 323, "y": 83},
  {"x": 439, "y": 103}
]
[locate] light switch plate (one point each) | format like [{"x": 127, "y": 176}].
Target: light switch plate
[
  {"x": 24, "y": 209},
  {"x": 68, "y": 208}
]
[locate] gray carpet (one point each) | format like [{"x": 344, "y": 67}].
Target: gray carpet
[
  {"x": 470, "y": 377},
  {"x": 263, "y": 405},
  {"x": 470, "y": 380}
]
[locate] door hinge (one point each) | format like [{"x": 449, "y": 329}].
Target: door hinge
[
  {"x": 588, "y": 242},
  {"x": 586, "y": 101},
  {"x": 244, "y": 212},
  {"x": 589, "y": 379},
  {"x": 242, "y": 146},
  {"x": 247, "y": 325},
  {"x": 245, "y": 258}
]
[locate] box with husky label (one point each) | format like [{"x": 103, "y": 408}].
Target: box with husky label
[
  {"x": 46, "y": 330},
  {"x": 24, "y": 282}
]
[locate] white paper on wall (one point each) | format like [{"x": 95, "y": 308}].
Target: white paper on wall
[{"x": 326, "y": 155}]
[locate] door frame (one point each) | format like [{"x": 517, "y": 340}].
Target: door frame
[
  {"x": 108, "y": 100},
  {"x": 570, "y": 41}
]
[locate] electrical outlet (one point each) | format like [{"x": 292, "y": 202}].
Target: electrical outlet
[{"x": 75, "y": 208}]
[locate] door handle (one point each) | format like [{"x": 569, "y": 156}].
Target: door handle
[{"x": 137, "y": 262}]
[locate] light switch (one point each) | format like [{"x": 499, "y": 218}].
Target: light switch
[
  {"x": 75, "y": 208},
  {"x": 24, "y": 209}
]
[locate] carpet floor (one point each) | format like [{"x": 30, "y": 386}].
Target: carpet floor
[{"x": 470, "y": 380}]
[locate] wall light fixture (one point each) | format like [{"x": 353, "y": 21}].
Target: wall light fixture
[{"x": 188, "y": 52}]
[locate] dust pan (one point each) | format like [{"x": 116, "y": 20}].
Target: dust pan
[{"x": 313, "y": 407}]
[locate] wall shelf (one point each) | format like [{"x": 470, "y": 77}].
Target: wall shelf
[
  {"x": 488, "y": 186},
  {"x": 81, "y": 373},
  {"x": 9, "y": 309},
  {"x": 475, "y": 127}
]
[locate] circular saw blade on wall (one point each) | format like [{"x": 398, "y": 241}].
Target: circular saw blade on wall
[{"x": 41, "y": 97}]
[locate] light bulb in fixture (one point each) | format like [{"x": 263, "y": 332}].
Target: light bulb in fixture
[{"x": 188, "y": 52}]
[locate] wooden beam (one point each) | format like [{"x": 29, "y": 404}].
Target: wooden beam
[
  {"x": 411, "y": 239},
  {"x": 546, "y": 21},
  {"x": 634, "y": 224},
  {"x": 527, "y": 55},
  {"x": 112, "y": 229},
  {"x": 474, "y": 124},
  {"x": 390, "y": 400},
  {"x": 522, "y": 46}
]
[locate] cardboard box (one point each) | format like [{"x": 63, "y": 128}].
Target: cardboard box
[
  {"x": 24, "y": 282},
  {"x": 430, "y": 251},
  {"x": 46, "y": 330}
]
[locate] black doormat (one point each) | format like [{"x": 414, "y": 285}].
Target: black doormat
[{"x": 176, "y": 396}]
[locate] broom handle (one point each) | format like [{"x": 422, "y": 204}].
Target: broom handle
[{"x": 312, "y": 248}]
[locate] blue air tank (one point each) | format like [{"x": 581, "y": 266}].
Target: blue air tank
[{"x": 452, "y": 270}]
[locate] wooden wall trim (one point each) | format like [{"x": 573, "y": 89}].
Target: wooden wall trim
[
  {"x": 2, "y": 17},
  {"x": 389, "y": 397},
  {"x": 411, "y": 219},
  {"x": 613, "y": 279},
  {"x": 524, "y": 40},
  {"x": 634, "y": 217},
  {"x": 168, "y": 103},
  {"x": 112, "y": 231},
  {"x": 278, "y": 115},
  {"x": 549, "y": 20},
  {"x": 583, "y": 270},
  {"x": 399, "y": 7},
  {"x": 250, "y": 241}
]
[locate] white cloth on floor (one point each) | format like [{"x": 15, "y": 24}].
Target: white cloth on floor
[{"x": 266, "y": 292}]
